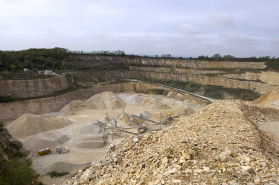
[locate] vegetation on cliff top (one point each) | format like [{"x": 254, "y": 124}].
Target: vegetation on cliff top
[
  {"x": 39, "y": 59},
  {"x": 216, "y": 92}
]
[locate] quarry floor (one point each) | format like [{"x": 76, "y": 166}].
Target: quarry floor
[{"x": 78, "y": 127}]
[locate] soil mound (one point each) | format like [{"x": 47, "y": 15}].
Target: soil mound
[
  {"x": 30, "y": 124},
  {"x": 144, "y": 113},
  {"x": 89, "y": 129},
  {"x": 90, "y": 144},
  {"x": 73, "y": 107},
  {"x": 134, "y": 99},
  {"x": 131, "y": 99},
  {"x": 213, "y": 146},
  {"x": 49, "y": 139},
  {"x": 172, "y": 102},
  {"x": 184, "y": 111},
  {"x": 270, "y": 99},
  {"x": 163, "y": 107},
  {"x": 154, "y": 103},
  {"x": 105, "y": 100},
  {"x": 150, "y": 102},
  {"x": 65, "y": 167}
]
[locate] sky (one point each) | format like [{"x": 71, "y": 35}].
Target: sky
[{"x": 186, "y": 28}]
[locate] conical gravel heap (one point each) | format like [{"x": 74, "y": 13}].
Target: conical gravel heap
[{"x": 219, "y": 145}]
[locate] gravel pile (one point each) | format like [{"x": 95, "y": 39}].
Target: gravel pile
[{"x": 219, "y": 145}]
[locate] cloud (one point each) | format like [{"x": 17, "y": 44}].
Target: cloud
[
  {"x": 189, "y": 29},
  {"x": 221, "y": 20},
  {"x": 182, "y": 28}
]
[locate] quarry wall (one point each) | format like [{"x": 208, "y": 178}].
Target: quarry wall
[
  {"x": 93, "y": 60},
  {"x": 33, "y": 88},
  {"x": 229, "y": 74},
  {"x": 259, "y": 87},
  {"x": 14, "y": 110},
  {"x": 268, "y": 77}
]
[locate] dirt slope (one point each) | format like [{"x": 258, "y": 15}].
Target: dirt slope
[
  {"x": 270, "y": 99},
  {"x": 30, "y": 124}
]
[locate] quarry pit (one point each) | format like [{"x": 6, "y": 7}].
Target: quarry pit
[
  {"x": 79, "y": 128},
  {"x": 90, "y": 120}
]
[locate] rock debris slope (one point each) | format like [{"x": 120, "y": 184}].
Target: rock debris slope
[
  {"x": 105, "y": 100},
  {"x": 219, "y": 145},
  {"x": 30, "y": 124},
  {"x": 270, "y": 99}
]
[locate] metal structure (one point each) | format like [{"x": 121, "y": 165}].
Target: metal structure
[
  {"x": 126, "y": 117},
  {"x": 142, "y": 118}
]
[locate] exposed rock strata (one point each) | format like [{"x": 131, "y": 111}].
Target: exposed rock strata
[
  {"x": 14, "y": 110},
  {"x": 93, "y": 60},
  {"x": 259, "y": 87},
  {"x": 33, "y": 88}
]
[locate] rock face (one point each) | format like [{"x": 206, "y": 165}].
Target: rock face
[
  {"x": 33, "y": 88},
  {"x": 256, "y": 86},
  {"x": 228, "y": 74},
  {"x": 94, "y": 60},
  {"x": 50, "y": 104},
  {"x": 218, "y": 145}
]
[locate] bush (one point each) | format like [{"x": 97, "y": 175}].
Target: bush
[
  {"x": 15, "y": 172},
  {"x": 7, "y": 99},
  {"x": 54, "y": 174},
  {"x": 1, "y": 126}
]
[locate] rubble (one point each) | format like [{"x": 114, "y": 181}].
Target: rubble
[{"x": 221, "y": 144}]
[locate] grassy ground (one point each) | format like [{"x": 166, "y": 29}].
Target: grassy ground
[
  {"x": 8, "y": 99},
  {"x": 7, "y": 75},
  {"x": 216, "y": 92}
]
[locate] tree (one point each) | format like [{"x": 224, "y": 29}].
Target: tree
[
  {"x": 216, "y": 56},
  {"x": 228, "y": 56},
  {"x": 166, "y": 56},
  {"x": 13, "y": 67}
]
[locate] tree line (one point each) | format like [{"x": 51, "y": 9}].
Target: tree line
[
  {"x": 32, "y": 59},
  {"x": 54, "y": 59}
]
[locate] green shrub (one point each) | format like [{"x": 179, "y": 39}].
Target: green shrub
[
  {"x": 1, "y": 126},
  {"x": 15, "y": 172},
  {"x": 6, "y": 99},
  {"x": 55, "y": 174}
]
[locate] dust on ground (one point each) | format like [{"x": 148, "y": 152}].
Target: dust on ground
[
  {"x": 78, "y": 128},
  {"x": 221, "y": 144}
]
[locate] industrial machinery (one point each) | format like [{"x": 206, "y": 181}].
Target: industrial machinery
[
  {"x": 44, "y": 151},
  {"x": 126, "y": 117},
  {"x": 145, "y": 119},
  {"x": 142, "y": 128},
  {"x": 168, "y": 120}
]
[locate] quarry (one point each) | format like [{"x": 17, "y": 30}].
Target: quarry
[{"x": 136, "y": 120}]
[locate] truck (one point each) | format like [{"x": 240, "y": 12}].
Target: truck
[{"x": 44, "y": 151}]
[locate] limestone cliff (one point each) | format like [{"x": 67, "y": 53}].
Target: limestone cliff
[
  {"x": 33, "y": 88},
  {"x": 229, "y": 74},
  {"x": 93, "y": 60},
  {"x": 50, "y": 104},
  {"x": 256, "y": 86}
]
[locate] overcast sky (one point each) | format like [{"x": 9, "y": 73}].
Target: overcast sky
[{"x": 241, "y": 28}]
